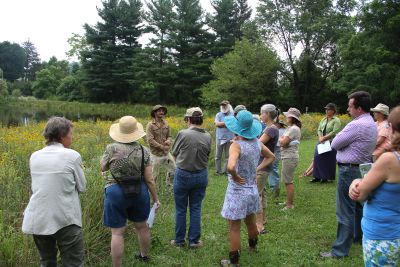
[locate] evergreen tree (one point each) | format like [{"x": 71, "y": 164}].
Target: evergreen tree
[
  {"x": 12, "y": 60},
  {"x": 191, "y": 43},
  {"x": 228, "y": 21},
  {"x": 224, "y": 25},
  {"x": 243, "y": 16},
  {"x": 108, "y": 63},
  {"x": 32, "y": 61},
  {"x": 160, "y": 19}
]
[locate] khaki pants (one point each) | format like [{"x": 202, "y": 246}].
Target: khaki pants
[
  {"x": 262, "y": 178},
  {"x": 168, "y": 162},
  {"x": 288, "y": 167}
]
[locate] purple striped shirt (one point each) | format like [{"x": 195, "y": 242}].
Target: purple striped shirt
[{"x": 356, "y": 142}]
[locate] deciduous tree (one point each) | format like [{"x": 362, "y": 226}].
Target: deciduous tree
[{"x": 248, "y": 75}]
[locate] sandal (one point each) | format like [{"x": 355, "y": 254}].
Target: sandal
[{"x": 227, "y": 263}]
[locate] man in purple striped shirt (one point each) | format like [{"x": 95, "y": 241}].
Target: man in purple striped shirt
[{"x": 354, "y": 145}]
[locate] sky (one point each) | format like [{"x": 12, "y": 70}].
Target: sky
[{"x": 49, "y": 23}]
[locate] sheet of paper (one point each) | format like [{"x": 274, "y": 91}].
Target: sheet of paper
[{"x": 324, "y": 147}]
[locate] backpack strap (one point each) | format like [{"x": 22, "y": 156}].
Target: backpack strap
[{"x": 141, "y": 165}]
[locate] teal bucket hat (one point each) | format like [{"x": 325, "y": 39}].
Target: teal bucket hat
[{"x": 243, "y": 124}]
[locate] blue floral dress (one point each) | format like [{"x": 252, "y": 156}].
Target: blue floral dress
[{"x": 243, "y": 200}]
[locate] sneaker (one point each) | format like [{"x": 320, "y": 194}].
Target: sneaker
[
  {"x": 282, "y": 204},
  {"x": 263, "y": 232},
  {"x": 138, "y": 256},
  {"x": 199, "y": 244},
  {"x": 286, "y": 208},
  {"x": 315, "y": 180},
  {"x": 177, "y": 245}
]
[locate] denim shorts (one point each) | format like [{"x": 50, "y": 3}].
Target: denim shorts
[{"x": 118, "y": 208}]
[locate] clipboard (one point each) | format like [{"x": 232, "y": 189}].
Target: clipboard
[{"x": 324, "y": 147}]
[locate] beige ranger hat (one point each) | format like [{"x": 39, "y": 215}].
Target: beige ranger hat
[
  {"x": 381, "y": 108},
  {"x": 127, "y": 130}
]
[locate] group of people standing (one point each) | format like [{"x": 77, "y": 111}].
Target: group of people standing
[{"x": 252, "y": 149}]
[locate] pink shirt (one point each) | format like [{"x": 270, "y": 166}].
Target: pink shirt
[{"x": 384, "y": 137}]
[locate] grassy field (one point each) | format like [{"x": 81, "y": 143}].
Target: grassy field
[{"x": 295, "y": 238}]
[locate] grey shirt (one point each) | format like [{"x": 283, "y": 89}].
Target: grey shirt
[{"x": 192, "y": 149}]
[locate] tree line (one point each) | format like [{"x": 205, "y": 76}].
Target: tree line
[{"x": 301, "y": 53}]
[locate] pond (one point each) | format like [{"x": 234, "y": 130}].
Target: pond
[
  {"x": 16, "y": 115},
  {"x": 23, "y": 112}
]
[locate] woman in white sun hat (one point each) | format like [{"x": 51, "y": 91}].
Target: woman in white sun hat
[
  {"x": 126, "y": 157},
  {"x": 381, "y": 113}
]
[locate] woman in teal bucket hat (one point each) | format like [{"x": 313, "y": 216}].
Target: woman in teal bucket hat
[{"x": 241, "y": 198}]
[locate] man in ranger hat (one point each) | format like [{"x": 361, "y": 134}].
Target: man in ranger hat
[
  {"x": 159, "y": 139},
  {"x": 224, "y": 136}
]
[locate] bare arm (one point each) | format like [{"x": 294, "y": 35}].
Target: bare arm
[
  {"x": 220, "y": 124},
  {"x": 234, "y": 152},
  {"x": 269, "y": 157},
  {"x": 361, "y": 188},
  {"x": 380, "y": 140},
  {"x": 284, "y": 141},
  {"x": 149, "y": 179},
  {"x": 264, "y": 138}
]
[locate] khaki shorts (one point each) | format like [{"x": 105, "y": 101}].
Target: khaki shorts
[
  {"x": 262, "y": 177},
  {"x": 288, "y": 167}
]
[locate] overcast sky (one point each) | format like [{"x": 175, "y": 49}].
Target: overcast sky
[{"x": 49, "y": 23}]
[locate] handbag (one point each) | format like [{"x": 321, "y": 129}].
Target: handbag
[{"x": 130, "y": 184}]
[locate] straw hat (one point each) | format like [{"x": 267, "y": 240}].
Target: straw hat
[
  {"x": 381, "y": 108},
  {"x": 243, "y": 125},
  {"x": 127, "y": 130},
  {"x": 293, "y": 112}
]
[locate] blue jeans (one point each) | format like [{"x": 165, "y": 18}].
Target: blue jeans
[
  {"x": 189, "y": 188},
  {"x": 274, "y": 179},
  {"x": 348, "y": 213}
]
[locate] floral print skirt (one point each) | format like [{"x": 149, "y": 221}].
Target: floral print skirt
[
  {"x": 381, "y": 252},
  {"x": 240, "y": 202}
]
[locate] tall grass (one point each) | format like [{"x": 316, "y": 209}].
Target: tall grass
[{"x": 294, "y": 238}]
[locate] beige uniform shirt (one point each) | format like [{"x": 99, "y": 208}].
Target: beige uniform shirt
[{"x": 157, "y": 133}]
